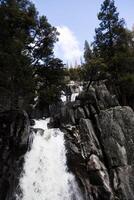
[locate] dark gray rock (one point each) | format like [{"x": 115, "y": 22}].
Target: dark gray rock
[
  {"x": 100, "y": 142},
  {"x": 104, "y": 98},
  {"x": 87, "y": 112},
  {"x": 124, "y": 182},
  {"x": 117, "y": 126},
  {"x": 14, "y": 142},
  {"x": 117, "y": 136},
  {"x": 89, "y": 142},
  {"x": 79, "y": 113}
]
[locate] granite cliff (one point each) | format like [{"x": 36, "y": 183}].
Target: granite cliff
[
  {"x": 100, "y": 141},
  {"x": 99, "y": 135}
]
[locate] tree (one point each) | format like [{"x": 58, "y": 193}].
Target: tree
[
  {"x": 17, "y": 20},
  {"x": 74, "y": 74},
  {"x": 110, "y": 36},
  {"x": 114, "y": 44},
  {"x": 49, "y": 71},
  {"x": 42, "y": 46},
  {"x": 87, "y": 52},
  {"x": 27, "y": 63},
  {"x": 94, "y": 67},
  {"x": 50, "y": 82}
]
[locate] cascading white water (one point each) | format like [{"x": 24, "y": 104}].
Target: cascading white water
[
  {"x": 45, "y": 175},
  {"x": 73, "y": 95}
]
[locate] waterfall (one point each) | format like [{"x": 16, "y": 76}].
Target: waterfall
[
  {"x": 74, "y": 93},
  {"x": 45, "y": 175}
]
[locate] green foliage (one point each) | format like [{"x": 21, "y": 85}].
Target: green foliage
[
  {"x": 50, "y": 81},
  {"x": 94, "y": 71},
  {"x": 87, "y": 52},
  {"x": 110, "y": 38},
  {"x": 45, "y": 36},
  {"x": 27, "y": 62},
  {"x": 126, "y": 84},
  {"x": 74, "y": 74},
  {"x": 115, "y": 45},
  {"x": 49, "y": 70},
  {"x": 16, "y": 22},
  {"x": 112, "y": 56},
  {"x": 94, "y": 68}
]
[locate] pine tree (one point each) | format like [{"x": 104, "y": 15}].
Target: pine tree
[
  {"x": 94, "y": 67},
  {"x": 44, "y": 40},
  {"x": 50, "y": 82},
  {"x": 110, "y": 36},
  {"x": 49, "y": 70},
  {"x": 17, "y": 20},
  {"x": 87, "y": 52},
  {"x": 27, "y": 62},
  {"x": 114, "y": 44}
]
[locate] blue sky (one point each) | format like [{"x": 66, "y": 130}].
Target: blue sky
[{"x": 76, "y": 20}]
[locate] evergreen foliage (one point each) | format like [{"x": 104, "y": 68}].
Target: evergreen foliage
[
  {"x": 29, "y": 69},
  {"x": 113, "y": 48},
  {"x": 110, "y": 35},
  {"x": 74, "y": 73},
  {"x": 87, "y": 52},
  {"x": 17, "y": 19},
  {"x": 27, "y": 62}
]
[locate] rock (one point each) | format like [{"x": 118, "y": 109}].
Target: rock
[
  {"x": 32, "y": 122},
  {"x": 87, "y": 112},
  {"x": 14, "y": 142},
  {"x": 79, "y": 113},
  {"x": 38, "y": 130},
  {"x": 89, "y": 141},
  {"x": 124, "y": 182},
  {"x": 76, "y": 104},
  {"x": 117, "y": 126},
  {"x": 71, "y": 116},
  {"x": 99, "y": 136},
  {"x": 104, "y": 98},
  {"x": 67, "y": 114},
  {"x": 94, "y": 163},
  {"x": 97, "y": 169},
  {"x": 88, "y": 97}
]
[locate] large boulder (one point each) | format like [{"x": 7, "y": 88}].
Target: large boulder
[
  {"x": 89, "y": 142},
  {"x": 14, "y": 139},
  {"x": 104, "y": 98},
  {"x": 117, "y": 137}
]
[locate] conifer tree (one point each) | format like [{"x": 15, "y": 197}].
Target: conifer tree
[
  {"x": 27, "y": 62},
  {"x": 114, "y": 44},
  {"x": 17, "y": 20},
  {"x": 111, "y": 34},
  {"x": 87, "y": 52}
]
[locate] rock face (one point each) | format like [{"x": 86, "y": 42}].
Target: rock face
[
  {"x": 100, "y": 141},
  {"x": 117, "y": 137},
  {"x": 14, "y": 138}
]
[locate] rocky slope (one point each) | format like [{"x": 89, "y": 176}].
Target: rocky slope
[
  {"x": 100, "y": 141},
  {"x": 99, "y": 137},
  {"x": 14, "y": 139}
]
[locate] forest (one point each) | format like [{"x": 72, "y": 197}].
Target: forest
[
  {"x": 66, "y": 132},
  {"x": 29, "y": 70}
]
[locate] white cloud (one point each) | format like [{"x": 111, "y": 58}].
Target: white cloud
[{"x": 68, "y": 47}]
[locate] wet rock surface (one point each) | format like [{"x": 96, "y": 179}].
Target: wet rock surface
[
  {"x": 99, "y": 137},
  {"x": 14, "y": 139}
]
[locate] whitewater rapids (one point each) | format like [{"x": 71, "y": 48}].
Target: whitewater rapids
[{"x": 45, "y": 175}]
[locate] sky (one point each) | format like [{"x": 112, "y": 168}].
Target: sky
[{"x": 76, "y": 21}]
